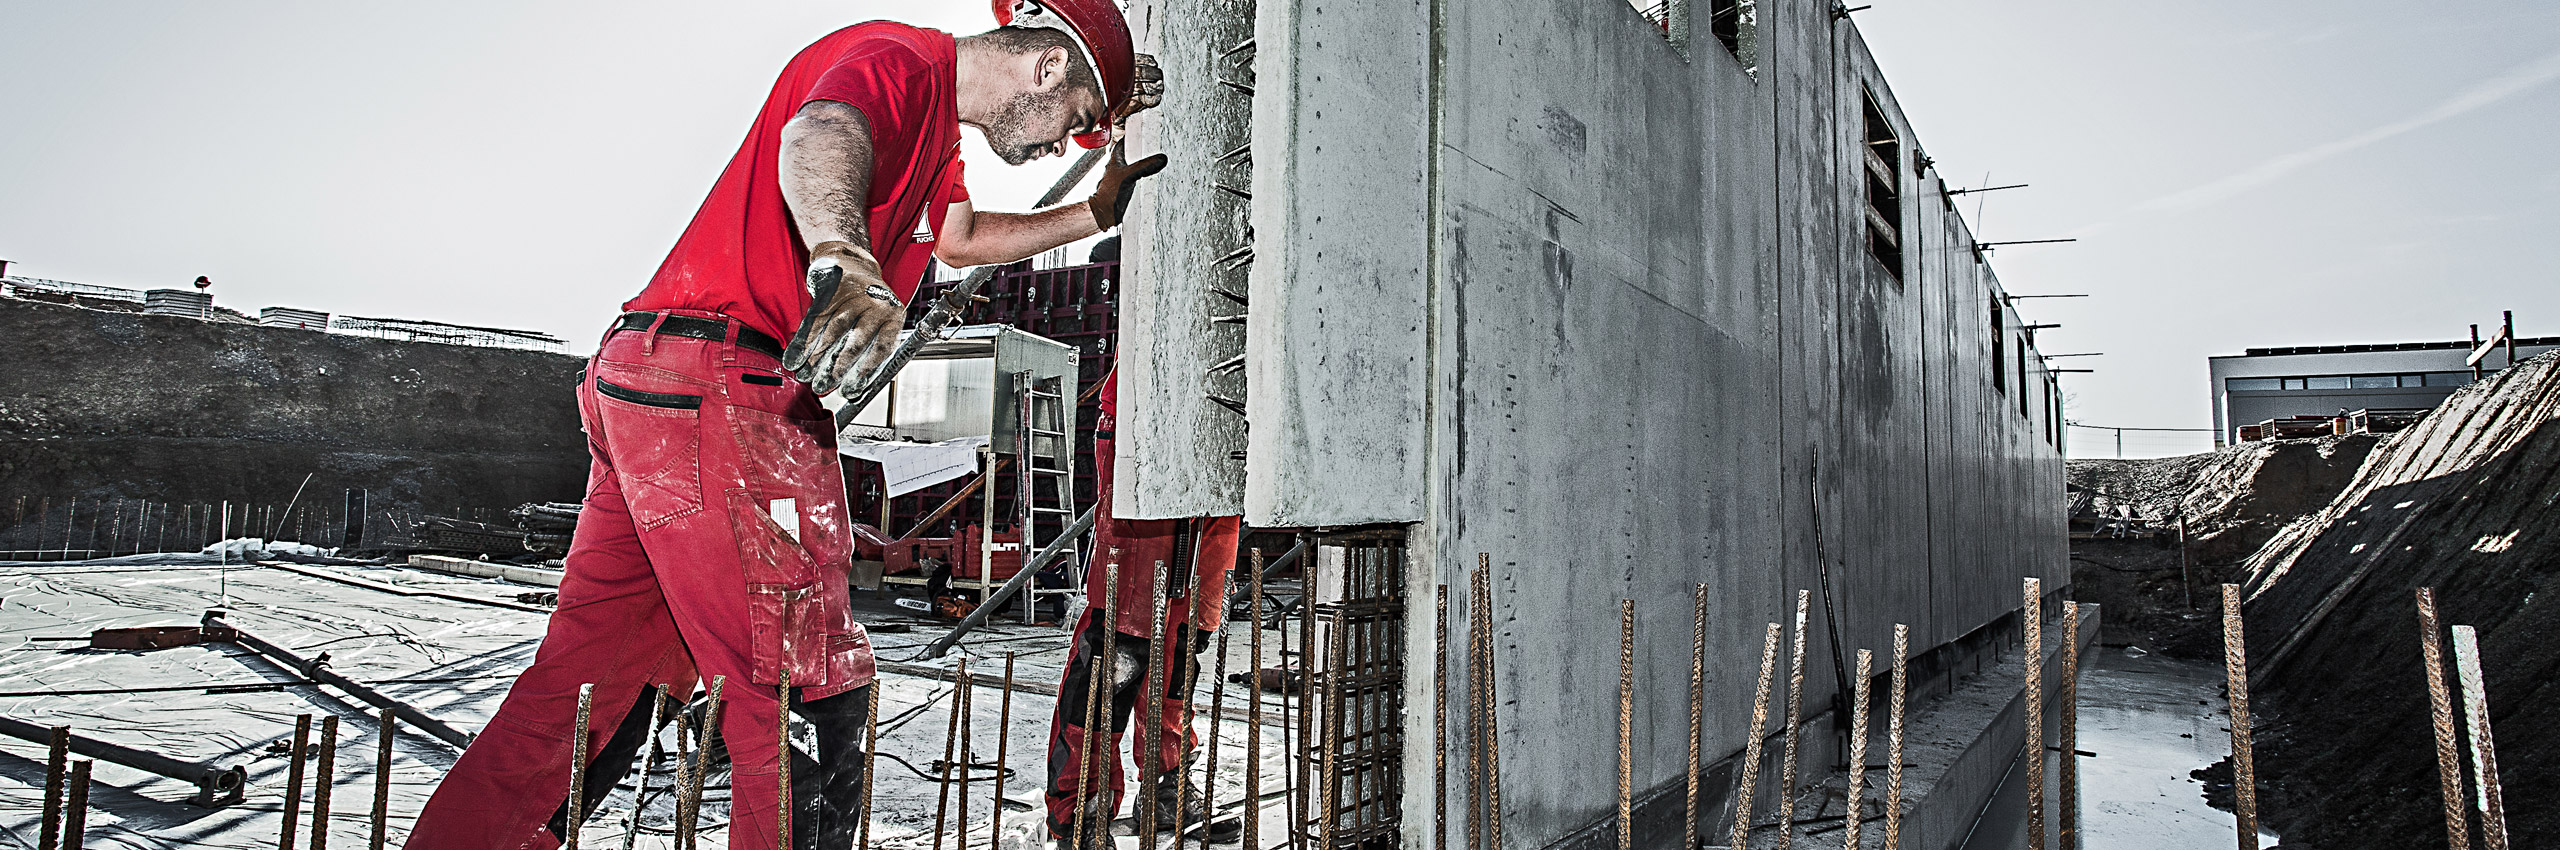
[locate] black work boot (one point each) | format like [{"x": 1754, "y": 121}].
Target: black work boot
[
  {"x": 1097, "y": 827},
  {"x": 1194, "y": 809}
]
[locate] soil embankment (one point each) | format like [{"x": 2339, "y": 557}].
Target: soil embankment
[
  {"x": 102, "y": 406},
  {"x": 2204, "y": 515},
  {"x": 2462, "y": 503}
]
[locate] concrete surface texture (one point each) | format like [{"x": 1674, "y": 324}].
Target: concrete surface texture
[
  {"x": 1531, "y": 278},
  {"x": 105, "y": 405},
  {"x": 2460, "y": 503}
]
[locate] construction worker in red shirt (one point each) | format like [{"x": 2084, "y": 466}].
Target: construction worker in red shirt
[
  {"x": 714, "y": 539},
  {"x": 1198, "y": 553}
]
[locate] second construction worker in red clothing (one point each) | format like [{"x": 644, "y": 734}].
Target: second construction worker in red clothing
[
  {"x": 714, "y": 537},
  {"x": 1198, "y": 553}
]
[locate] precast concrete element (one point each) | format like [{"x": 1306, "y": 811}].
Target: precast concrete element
[
  {"x": 1189, "y": 249},
  {"x": 1531, "y": 279}
]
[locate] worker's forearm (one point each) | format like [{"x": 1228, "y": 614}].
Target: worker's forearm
[
  {"x": 826, "y": 173},
  {"x": 1006, "y": 237}
]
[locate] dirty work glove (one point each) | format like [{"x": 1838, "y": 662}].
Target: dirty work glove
[
  {"x": 1149, "y": 91},
  {"x": 1111, "y": 194},
  {"x": 852, "y": 323}
]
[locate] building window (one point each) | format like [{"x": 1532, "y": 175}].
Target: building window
[
  {"x": 2448, "y": 379},
  {"x": 1999, "y": 350},
  {"x": 2245, "y": 385},
  {"x": 2326, "y": 382},
  {"x": 1883, "y": 155},
  {"x": 2373, "y": 382},
  {"x": 2022, "y": 377},
  {"x": 1734, "y": 23}
]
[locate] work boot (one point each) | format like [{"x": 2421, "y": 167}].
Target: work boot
[
  {"x": 1097, "y": 827},
  {"x": 1195, "y": 808}
]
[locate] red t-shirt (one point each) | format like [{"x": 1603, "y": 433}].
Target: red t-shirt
[{"x": 743, "y": 257}]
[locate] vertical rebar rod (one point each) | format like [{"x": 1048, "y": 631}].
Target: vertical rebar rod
[
  {"x": 1893, "y": 737},
  {"x": 56, "y": 765},
  {"x": 2457, "y": 818},
  {"x": 324, "y": 778},
  {"x": 1492, "y": 721},
  {"x": 2031, "y": 666},
  {"x": 1336, "y": 640},
  {"x": 2235, "y": 668},
  {"x": 1302, "y": 815},
  {"x": 1695, "y": 766},
  {"x": 688, "y": 824},
  {"x": 70, "y": 521},
  {"x": 1097, "y": 679},
  {"x": 648, "y": 761},
  {"x": 384, "y": 725},
  {"x": 1439, "y": 722},
  {"x": 968, "y": 741},
  {"x": 677, "y": 820},
  {"x": 1004, "y": 738},
  {"x": 293, "y": 783},
  {"x": 782, "y": 764},
  {"x": 2484, "y": 746},
  {"x": 577, "y": 810},
  {"x": 870, "y": 759},
  {"x": 2067, "y": 787},
  {"x": 1626, "y": 724},
  {"x": 1253, "y": 716},
  {"x": 1858, "y": 746},
  {"x": 1749, "y": 785},
  {"x": 1794, "y": 720},
  {"x": 950, "y": 750},
  {"x": 75, "y": 810},
  {"x": 1149, "y": 714},
  {"x": 1190, "y": 675}
]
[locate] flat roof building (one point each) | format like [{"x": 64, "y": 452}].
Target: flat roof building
[{"x": 2266, "y": 384}]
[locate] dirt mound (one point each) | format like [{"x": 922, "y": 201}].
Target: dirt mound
[
  {"x": 2462, "y": 503},
  {"x": 2232, "y": 501}
]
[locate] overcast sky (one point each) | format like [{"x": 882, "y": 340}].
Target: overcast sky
[{"x": 2239, "y": 174}]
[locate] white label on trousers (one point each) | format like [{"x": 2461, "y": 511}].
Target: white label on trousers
[{"x": 785, "y": 513}]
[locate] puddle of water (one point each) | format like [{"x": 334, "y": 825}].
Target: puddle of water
[{"x": 2151, "y": 720}]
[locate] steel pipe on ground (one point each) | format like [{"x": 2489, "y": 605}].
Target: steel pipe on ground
[{"x": 215, "y": 785}]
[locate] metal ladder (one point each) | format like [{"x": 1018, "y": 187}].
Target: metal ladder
[{"x": 1044, "y": 474}]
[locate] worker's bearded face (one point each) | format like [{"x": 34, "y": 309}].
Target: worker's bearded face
[{"x": 1036, "y": 123}]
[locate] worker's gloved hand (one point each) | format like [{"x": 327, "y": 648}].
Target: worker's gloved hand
[
  {"x": 1111, "y": 194},
  {"x": 853, "y": 319},
  {"x": 1149, "y": 91}
]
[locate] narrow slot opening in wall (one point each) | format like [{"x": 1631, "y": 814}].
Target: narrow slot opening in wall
[
  {"x": 1882, "y": 152},
  {"x": 1999, "y": 350}
]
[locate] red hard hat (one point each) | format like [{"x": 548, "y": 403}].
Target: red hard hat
[{"x": 1099, "y": 30}]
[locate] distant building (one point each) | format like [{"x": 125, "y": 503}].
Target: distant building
[{"x": 2319, "y": 381}]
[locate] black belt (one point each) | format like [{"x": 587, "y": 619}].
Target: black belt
[{"x": 695, "y": 327}]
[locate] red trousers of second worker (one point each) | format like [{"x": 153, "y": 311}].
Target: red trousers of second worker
[{"x": 708, "y": 546}]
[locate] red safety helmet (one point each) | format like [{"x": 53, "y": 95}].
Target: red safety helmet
[{"x": 1100, "y": 32}]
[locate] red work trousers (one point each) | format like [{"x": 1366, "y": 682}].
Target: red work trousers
[{"x": 713, "y": 542}]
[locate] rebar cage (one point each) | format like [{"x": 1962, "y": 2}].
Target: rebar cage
[{"x": 1357, "y": 762}]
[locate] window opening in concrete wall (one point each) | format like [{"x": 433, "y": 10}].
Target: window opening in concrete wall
[
  {"x": 2346, "y": 382},
  {"x": 1734, "y": 22},
  {"x": 1883, "y": 155},
  {"x": 2022, "y": 377},
  {"x": 1999, "y": 350}
]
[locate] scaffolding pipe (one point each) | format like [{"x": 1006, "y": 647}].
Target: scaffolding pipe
[
  {"x": 320, "y": 672},
  {"x": 215, "y": 786}
]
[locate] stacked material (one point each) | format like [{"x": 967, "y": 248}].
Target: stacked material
[
  {"x": 2461, "y": 503},
  {"x": 546, "y": 526}
]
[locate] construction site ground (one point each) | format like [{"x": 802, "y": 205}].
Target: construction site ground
[{"x": 221, "y": 704}]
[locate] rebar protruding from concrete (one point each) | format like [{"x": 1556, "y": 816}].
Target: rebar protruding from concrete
[
  {"x": 293, "y": 783},
  {"x": 2031, "y": 616},
  {"x": 324, "y": 777},
  {"x": 1097, "y": 678},
  {"x": 1150, "y": 709},
  {"x": 1190, "y": 676},
  {"x": 1488, "y": 735},
  {"x": 1626, "y": 724},
  {"x": 1302, "y": 815},
  {"x": 1337, "y": 640},
  {"x": 1253, "y": 716},
  {"x": 2484, "y": 746},
  {"x": 2067, "y": 807},
  {"x": 2235, "y": 669},
  {"x": 2457, "y": 817},
  {"x": 968, "y": 739},
  {"x": 1793, "y": 720},
  {"x": 678, "y": 820},
  {"x": 75, "y": 809},
  {"x": 57, "y": 765},
  {"x": 1858, "y": 746},
  {"x": 1439, "y": 720},
  {"x": 950, "y": 750},
  {"x": 1004, "y": 725},
  {"x": 1694, "y": 767},
  {"x": 1749, "y": 785},
  {"x": 870, "y": 759},
  {"x": 1893, "y": 738},
  {"x": 648, "y": 760},
  {"x": 689, "y": 820},
  {"x": 385, "y": 725},
  {"x": 782, "y": 763},
  {"x": 577, "y": 810}
]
